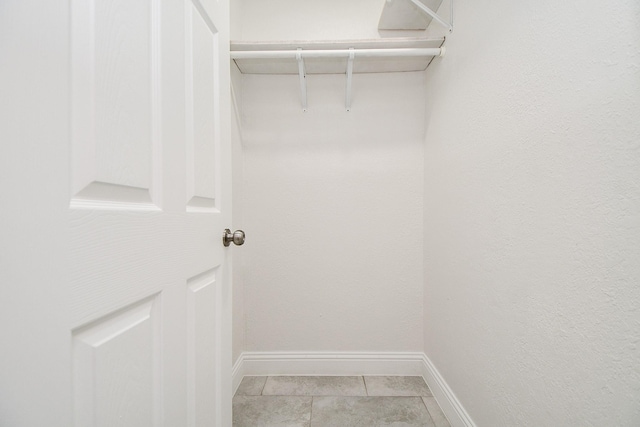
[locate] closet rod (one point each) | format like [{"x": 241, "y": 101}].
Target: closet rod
[{"x": 335, "y": 53}]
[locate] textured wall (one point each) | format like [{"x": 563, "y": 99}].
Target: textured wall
[
  {"x": 532, "y": 212},
  {"x": 333, "y": 211}
]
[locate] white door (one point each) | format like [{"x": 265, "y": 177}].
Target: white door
[{"x": 115, "y": 182}]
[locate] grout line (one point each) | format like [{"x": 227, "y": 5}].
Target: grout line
[
  {"x": 425, "y": 404},
  {"x": 428, "y": 412},
  {"x": 366, "y": 390},
  {"x": 263, "y": 386},
  {"x": 311, "y": 411}
]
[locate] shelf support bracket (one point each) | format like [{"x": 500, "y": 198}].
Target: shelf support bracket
[
  {"x": 303, "y": 79},
  {"x": 431, "y": 13},
  {"x": 352, "y": 54}
]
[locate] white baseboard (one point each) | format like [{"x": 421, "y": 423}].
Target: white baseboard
[
  {"x": 323, "y": 363},
  {"x": 237, "y": 373},
  {"x": 446, "y": 398},
  {"x": 352, "y": 363}
]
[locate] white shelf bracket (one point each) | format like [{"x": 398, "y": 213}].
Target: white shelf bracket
[
  {"x": 431, "y": 13},
  {"x": 303, "y": 79},
  {"x": 352, "y": 54}
]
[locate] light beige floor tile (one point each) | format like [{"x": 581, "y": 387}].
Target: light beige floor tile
[
  {"x": 396, "y": 386},
  {"x": 363, "y": 411},
  {"x": 314, "y": 386},
  {"x": 436, "y": 413},
  {"x": 251, "y": 386},
  {"x": 271, "y": 411}
]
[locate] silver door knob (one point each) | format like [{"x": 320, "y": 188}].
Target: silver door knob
[{"x": 237, "y": 237}]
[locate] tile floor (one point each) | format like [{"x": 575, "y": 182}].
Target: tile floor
[{"x": 335, "y": 402}]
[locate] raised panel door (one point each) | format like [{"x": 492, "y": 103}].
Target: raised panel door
[{"x": 116, "y": 303}]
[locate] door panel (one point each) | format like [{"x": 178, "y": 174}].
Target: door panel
[
  {"x": 120, "y": 298},
  {"x": 115, "y": 101},
  {"x": 113, "y": 385},
  {"x": 131, "y": 241},
  {"x": 202, "y": 120},
  {"x": 202, "y": 336}
]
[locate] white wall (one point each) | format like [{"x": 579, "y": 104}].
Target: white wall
[
  {"x": 313, "y": 20},
  {"x": 333, "y": 213},
  {"x": 236, "y": 12},
  {"x": 333, "y": 200},
  {"x": 532, "y": 213}
]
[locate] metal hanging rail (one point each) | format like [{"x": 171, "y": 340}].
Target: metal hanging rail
[{"x": 335, "y": 53}]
